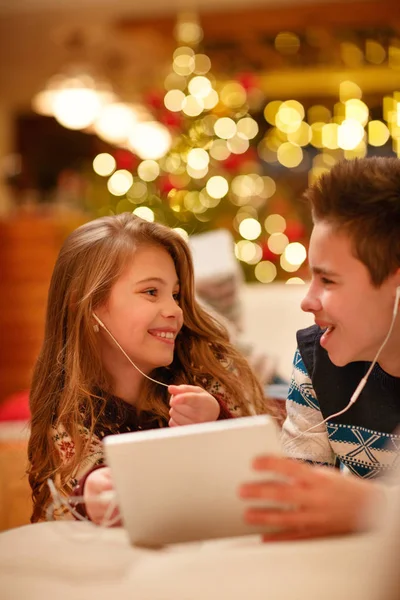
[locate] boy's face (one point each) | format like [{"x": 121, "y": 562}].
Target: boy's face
[{"x": 355, "y": 314}]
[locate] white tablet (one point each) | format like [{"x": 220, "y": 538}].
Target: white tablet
[{"x": 181, "y": 484}]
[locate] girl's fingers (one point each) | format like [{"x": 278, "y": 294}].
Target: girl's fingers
[{"x": 180, "y": 419}]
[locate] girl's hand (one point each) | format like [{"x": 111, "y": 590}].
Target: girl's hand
[
  {"x": 319, "y": 501},
  {"x": 191, "y": 404},
  {"x": 97, "y": 506}
]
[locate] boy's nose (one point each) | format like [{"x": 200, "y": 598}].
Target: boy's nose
[{"x": 310, "y": 302}]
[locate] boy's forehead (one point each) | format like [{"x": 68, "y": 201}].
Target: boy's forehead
[{"x": 330, "y": 250}]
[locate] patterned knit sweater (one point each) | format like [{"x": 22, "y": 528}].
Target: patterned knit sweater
[{"x": 362, "y": 439}]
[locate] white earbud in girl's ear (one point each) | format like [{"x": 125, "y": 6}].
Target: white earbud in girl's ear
[
  {"x": 96, "y": 327},
  {"x": 396, "y": 301}
]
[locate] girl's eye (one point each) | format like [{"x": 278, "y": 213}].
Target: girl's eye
[
  {"x": 152, "y": 292},
  {"x": 177, "y": 297}
]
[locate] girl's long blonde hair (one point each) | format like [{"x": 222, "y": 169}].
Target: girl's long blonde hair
[{"x": 69, "y": 374}]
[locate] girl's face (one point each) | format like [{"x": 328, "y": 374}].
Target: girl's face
[
  {"x": 143, "y": 312},
  {"x": 355, "y": 314}
]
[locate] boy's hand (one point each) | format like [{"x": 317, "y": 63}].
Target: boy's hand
[
  {"x": 96, "y": 506},
  {"x": 191, "y": 404},
  {"x": 319, "y": 501}
]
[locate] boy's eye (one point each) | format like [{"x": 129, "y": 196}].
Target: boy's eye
[{"x": 326, "y": 281}]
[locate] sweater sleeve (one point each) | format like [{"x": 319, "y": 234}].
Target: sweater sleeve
[
  {"x": 65, "y": 448},
  {"x": 303, "y": 413}
]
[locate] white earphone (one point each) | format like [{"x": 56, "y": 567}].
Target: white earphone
[
  {"x": 100, "y": 322},
  {"x": 361, "y": 385}
]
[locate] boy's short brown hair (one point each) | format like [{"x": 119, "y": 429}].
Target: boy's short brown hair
[{"x": 361, "y": 197}]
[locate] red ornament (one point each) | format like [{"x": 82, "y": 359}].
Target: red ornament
[
  {"x": 295, "y": 231},
  {"x": 154, "y": 99},
  {"x": 171, "y": 119},
  {"x": 267, "y": 254},
  {"x": 126, "y": 160},
  {"x": 248, "y": 80},
  {"x": 165, "y": 185}
]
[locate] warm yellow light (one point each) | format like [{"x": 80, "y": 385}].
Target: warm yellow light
[
  {"x": 183, "y": 64},
  {"x": 250, "y": 229},
  {"x": 247, "y": 128},
  {"x": 173, "y": 81},
  {"x": 238, "y": 145},
  {"x": 289, "y": 156},
  {"x": 192, "y": 106},
  {"x": 244, "y": 186},
  {"x": 295, "y": 281},
  {"x": 330, "y": 136},
  {"x": 150, "y": 140},
  {"x": 148, "y": 170},
  {"x": 351, "y": 54},
  {"x": 265, "y": 271},
  {"x": 211, "y": 100},
  {"x": 287, "y": 42},
  {"x": 104, "y": 164},
  {"x": 302, "y": 136},
  {"x": 196, "y": 173},
  {"x": 77, "y": 108},
  {"x": 219, "y": 150},
  {"x": 182, "y": 232},
  {"x": 349, "y": 90},
  {"x": 269, "y": 187},
  {"x": 271, "y": 110},
  {"x": 350, "y": 134},
  {"x": 200, "y": 86},
  {"x": 357, "y": 110},
  {"x": 275, "y": 224},
  {"x": 289, "y": 116},
  {"x": 217, "y": 186},
  {"x": 173, "y": 100},
  {"x": 375, "y": 53},
  {"x": 120, "y": 182},
  {"x": 378, "y": 133},
  {"x": 233, "y": 95},
  {"x": 116, "y": 122},
  {"x": 358, "y": 152},
  {"x": 318, "y": 114},
  {"x": 277, "y": 242},
  {"x": 198, "y": 159},
  {"x": 225, "y": 128},
  {"x": 188, "y": 31},
  {"x": 316, "y": 139},
  {"x": 394, "y": 57},
  {"x": 137, "y": 192},
  {"x": 202, "y": 64},
  {"x": 207, "y": 200},
  {"x": 287, "y": 266},
  {"x": 295, "y": 253},
  {"x": 248, "y": 252},
  {"x": 144, "y": 212}
]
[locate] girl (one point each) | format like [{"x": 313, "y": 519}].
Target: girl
[{"x": 126, "y": 347}]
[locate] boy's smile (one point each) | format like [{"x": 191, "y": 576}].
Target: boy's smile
[{"x": 355, "y": 314}]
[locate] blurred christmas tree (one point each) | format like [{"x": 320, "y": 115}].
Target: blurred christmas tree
[{"x": 196, "y": 166}]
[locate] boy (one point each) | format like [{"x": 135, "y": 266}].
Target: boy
[{"x": 354, "y": 257}]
